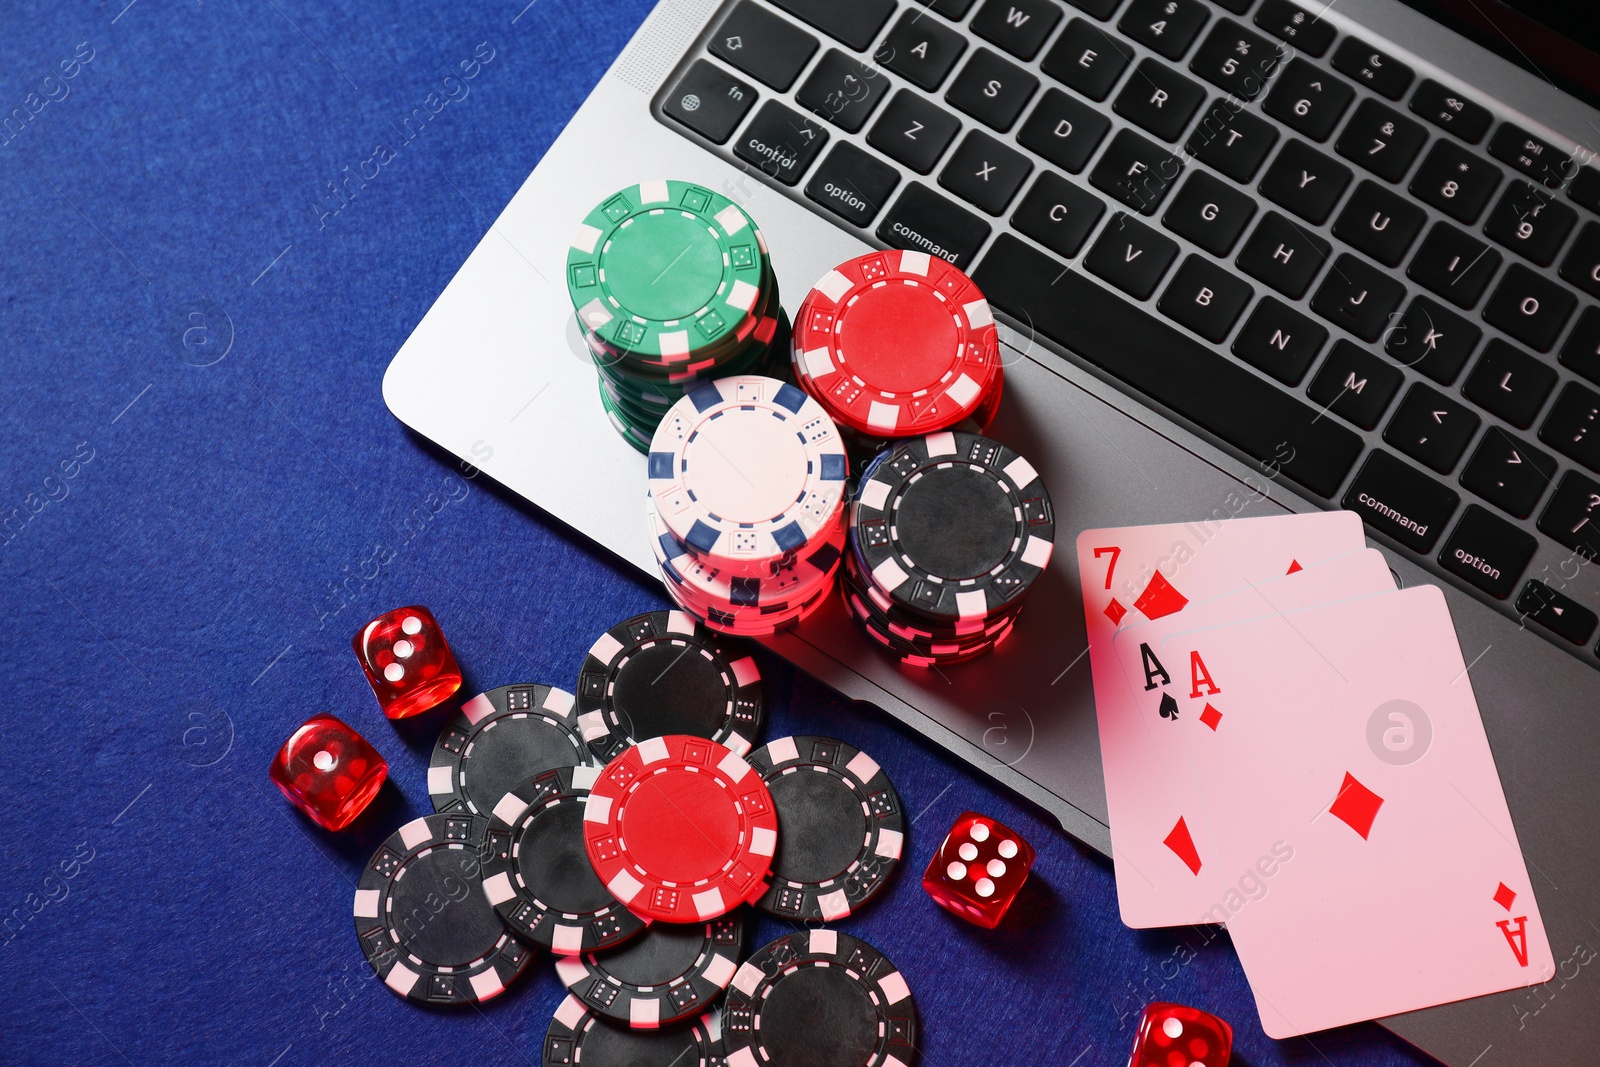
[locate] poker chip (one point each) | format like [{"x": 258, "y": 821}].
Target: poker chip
[
  {"x": 843, "y": 827},
  {"x": 819, "y": 996},
  {"x": 664, "y": 673},
  {"x": 425, "y": 929},
  {"x": 672, "y": 286},
  {"x": 665, "y": 268},
  {"x": 895, "y": 343},
  {"x": 681, "y": 829},
  {"x": 498, "y": 739},
  {"x": 579, "y": 1036},
  {"x": 670, "y": 972},
  {"x": 747, "y": 471},
  {"x": 536, "y": 872}
]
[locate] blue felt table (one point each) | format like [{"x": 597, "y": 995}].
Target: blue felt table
[{"x": 202, "y": 496}]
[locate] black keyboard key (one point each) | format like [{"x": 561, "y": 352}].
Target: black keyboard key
[
  {"x": 1556, "y": 612},
  {"x": 1487, "y": 551},
  {"x": 1572, "y": 517},
  {"x": 1432, "y": 339},
  {"x": 1209, "y": 212},
  {"x": 1131, "y": 256},
  {"x": 1581, "y": 350},
  {"x": 1058, "y": 214},
  {"x": 842, "y": 89},
  {"x": 1454, "y": 265},
  {"x": 1064, "y": 130},
  {"x": 1167, "y": 365},
  {"x": 709, "y": 101},
  {"x": 984, "y": 172},
  {"x": 954, "y": 10},
  {"x": 1529, "y": 307},
  {"x": 1305, "y": 181},
  {"x": 1205, "y": 298},
  {"x": 1232, "y": 140},
  {"x": 1236, "y": 60},
  {"x": 1136, "y": 172},
  {"x": 992, "y": 89},
  {"x": 1293, "y": 23},
  {"x": 853, "y": 184},
  {"x": 1238, "y": 7},
  {"x": 855, "y": 22},
  {"x": 1358, "y": 296},
  {"x": 923, "y": 221},
  {"x": 1382, "y": 140},
  {"x": 1279, "y": 340},
  {"x": 1354, "y": 384},
  {"x": 1396, "y": 499},
  {"x": 1584, "y": 189},
  {"x": 1529, "y": 222},
  {"x": 1431, "y": 428},
  {"x": 1159, "y": 99},
  {"x": 1100, "y": 9},
  {"x": 1283, "y": 255},
  {"x": 1449, "y": 110},
  {"x": 1507, "y": 473},
  {"x": 781, "y": 142},
  {"x": 1509, "y": 383},
  {"x": 1533, "y": 156},
  {"x": 1306, "y": 98},
  {"x": 1573, "y": 425},
  {"x": 1582, "y": 265},
  {"x": 764, "y": 46},
  {"x": 1018, "y": 26},
  {"x": 1167, "y": 27},
  {"x": 1381, "y": 73},
  {"x": 1379, "y": 223},
  {"x": 914, "y": 131},
  {"x": 1087, "y": 58},
  {"x": 921, "y": 50},
  {"x": 1456, "y": 181}
]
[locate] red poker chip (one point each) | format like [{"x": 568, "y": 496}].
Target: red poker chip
[
  {"x": 897, "y": 343},
  {"x": 681, "y": 829}
]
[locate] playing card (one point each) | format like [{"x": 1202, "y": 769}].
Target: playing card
[
  {"x": 1134, "y": 574},
  {"x": 1368, "y": 864}
]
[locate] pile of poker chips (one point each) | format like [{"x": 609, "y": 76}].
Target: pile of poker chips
[
  {"x": 746, "y": 506},
  {"x": 895, "y": 344},
  {"x": 948, "y": 532},
  {"x": 652, "y": 966},
  {"x": 673, "y": 287}
]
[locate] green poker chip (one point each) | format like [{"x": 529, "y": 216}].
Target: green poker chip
[{"x": 666, "y": 269}]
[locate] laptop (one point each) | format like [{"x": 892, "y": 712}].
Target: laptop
[{"x": 1249, "y": 257}]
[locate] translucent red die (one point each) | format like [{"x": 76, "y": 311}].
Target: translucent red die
[
  {"x": 1175, "y": 1035},
  {"x": 979, "y": 869},
  {"x": 407, "y": 660},
  {"x": 328, "y": 771}
]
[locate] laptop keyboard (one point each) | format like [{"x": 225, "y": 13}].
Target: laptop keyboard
[{"x": 1360, "y": 280}]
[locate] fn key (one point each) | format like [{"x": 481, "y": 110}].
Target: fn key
[{"x": 709, "y": 101}]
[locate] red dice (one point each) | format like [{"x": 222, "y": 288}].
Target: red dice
[
  {"x": 979, "y": 869},
  {"x": 1173, "y": 1035},
  {"x": 328, "y": 771},
  {"x": 408, "y": 661}
]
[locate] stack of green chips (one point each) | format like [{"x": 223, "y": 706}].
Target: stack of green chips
[{"x": 674, "y": 288}]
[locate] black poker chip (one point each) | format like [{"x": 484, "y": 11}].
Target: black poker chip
[
  {"x": 954, "y": 526},
  {"x": 536, "y": 871},
  {"x": 670, "y": 972},
  {"x": 664, "y": 673},
  {"x": 423, "y": 922},
  {"x": 577, "y": 1035},
  {"x": 841, "y": 827},
  {"x": 498, "y": 739},
  {"x": 819, "y": 997}
]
